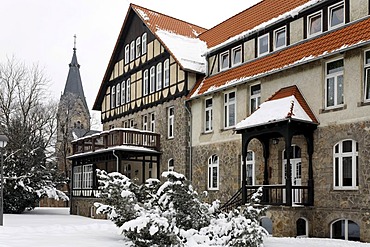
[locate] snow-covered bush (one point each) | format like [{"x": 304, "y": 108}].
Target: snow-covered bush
[{"x": 171, "y": 214}]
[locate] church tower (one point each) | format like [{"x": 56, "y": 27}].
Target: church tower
[{"x": 73, "y": 118}]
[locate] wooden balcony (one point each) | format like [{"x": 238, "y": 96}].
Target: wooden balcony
[{"x": 117, "y": 137}]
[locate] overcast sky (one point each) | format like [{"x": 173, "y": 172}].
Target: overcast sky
[{"x": 41, "y": 31}]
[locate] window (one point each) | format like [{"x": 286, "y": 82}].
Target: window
[
  {"x": 336, "y": 15},
  {"x": 367, "y": 76},
  {"x": 87, "y": 182},
  {"x": 77, "y": 177},
  {"x": 345, "y": 229},
  {"x": 127, "y": 54},
  {"x": 302, "y": 227},
  {"x": 128, "y": 171},
  {"x": 280, "y": 38},
  {"x": 236, "y": 55},
  {"x": 132, "y": 51},
  {"x": 334, "y": 83},
  {"x": 346, "y": 165},
  {"x": 263, "y": 44},
  {"x": 314, "y": 23},
  {"x": 123, "y": 92},
  {"x": 229, "y": 109},
  {"x": 152, "y": 79},
  {"x": 267, "y": 224},
  {"x": 143, "y": 45},
  {"x": 166, "y": 73},
  {"x": 255, "y": 97},
  {"x": 138, "y": 47},
  {"x": 250, "y": 180},
  {"x": 128, "y": 90},
  {"x": 118, "y": 94},
  {"x": 113, "y": 97},
  {"x": 171, "y": 165},
  {"x": 145, "y": 122},
  {"x": 224, "y": 60},
  {"x": 145, "y": 83},
  {"x": 208, "y": 115},
  {"x": 159, "y": 76},
  {"x": 213, "y": 172},
  {"x": 152, "y": 122},
  {"x": 170, "y": 122}
]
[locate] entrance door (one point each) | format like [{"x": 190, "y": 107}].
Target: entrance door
[{"x": 296, "y": 171}]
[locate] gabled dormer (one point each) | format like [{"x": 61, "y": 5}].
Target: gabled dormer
[{"x": 156, "y": 58}]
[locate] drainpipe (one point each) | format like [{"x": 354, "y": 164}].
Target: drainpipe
[
  {"x": 117, "y": 165},
  {"x": 190, "y": 141}
]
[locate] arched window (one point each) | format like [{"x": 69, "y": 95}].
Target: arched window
[
  {"x": 113, "y": 97},
  {"x": 118, "y": 94},
  {"x": 127, "y": 54},
  {"x": 143, "y": 44},
  {"x": 266, "y": 223},
  {"x": 213, "y": 172},
  {"x": 145, "y": 83},
  {"x": 166, "y": 70},
  {"x": 345, "y": 165},
  {"x": 345, "y": 229},
  {"x": 138, "y": 47},
  {"x": 159, "y": 76},
  {"x": 128, "y": 90},
  {"x": 171, "y": 165},
  {"x": 152, "y": 79},
  {"x": 123, "y": 92},
  {"x": 302, "y": 227}
]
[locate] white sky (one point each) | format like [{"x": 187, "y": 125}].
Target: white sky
[{"x": 41, "y": 31}]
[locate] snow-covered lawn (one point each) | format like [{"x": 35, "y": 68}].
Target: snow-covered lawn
[{"x": 54, "y": 227}]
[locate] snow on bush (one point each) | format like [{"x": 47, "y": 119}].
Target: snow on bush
[{"x": 172, "y": 214}]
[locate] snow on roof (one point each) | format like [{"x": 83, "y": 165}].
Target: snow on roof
[
  {"x": 188, "y": 51},
  {"x": 275, "y": 111}
]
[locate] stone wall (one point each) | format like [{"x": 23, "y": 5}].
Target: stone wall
[{"x": 85, "y": 207}]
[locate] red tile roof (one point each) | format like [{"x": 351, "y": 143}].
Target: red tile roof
[
  {"x": 248, "y": 19},
  {"x": 330, "y": 42}
]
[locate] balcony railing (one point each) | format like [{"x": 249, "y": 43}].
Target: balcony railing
[{"x": 117, "y": 137}]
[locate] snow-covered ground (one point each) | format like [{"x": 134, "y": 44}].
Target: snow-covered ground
[{"x": 54, "y": 227}]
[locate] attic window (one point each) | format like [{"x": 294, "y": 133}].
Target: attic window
[
  {"x": 314, "y": 24},
  {"x": 280, "y": 38},
  {"x": 127, "y": 54},
  {"x": 263, "y": 44},
  {"x": 336, "y": 15},
  {"x": 132, "y": 50},
  {"x": 224, "y": 60},
  {"x": 138, "y": 47},
  {"x": 143, "y": 44},
  {"x": 236, "y": 55}
]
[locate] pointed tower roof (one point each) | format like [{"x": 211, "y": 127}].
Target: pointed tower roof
[{"x": 74, "y": 83}]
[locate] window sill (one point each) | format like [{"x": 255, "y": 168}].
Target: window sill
[
  {"x": 334, "y": 109},
  {"x": 363, "y": 103},
  {"x": 213, "y": 189},
  {"x": 207, "y": 133},
  {"x": 345, "y": 188}
]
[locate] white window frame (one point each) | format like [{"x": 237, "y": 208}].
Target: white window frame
[
  {"x": 366, "y": 78},
  {"x": 128, "y": 90},
  {"x": 145, "y": 82},
  {"x": 152, "y": 122},
  {"x": 123, "y": 92},
  {"x": 166, "y": 73},
  {"x": 346, "y": 228},
  {"x": 145, "y": 122},
  {"x": 113, "y": 97},
  {"x": 171, "y": 165},
  {"x": 87, "y": 176},
  {"x": 254, "y": 97},
  {"x": 233, "y": 55},
  {"x": 265, "y": 36},
  {"x": 127, "y": 54},
  {"x": 331, "y": 8},
  {"x": 143, "y": 44},
  {"x": 249, "y": 162},
  {"x": 170, "y": 122},
  {"x": 152, "y": 79},
  {"x": 118, "y": 94},
  {"x": 227, "y": 106},
  {"x": 334, "y": 75},
  {"x": 138, "y": 47},
  {"x": 159, "y": 76},
  {"x": 227, "y": 56},
  {"x": 132, "y": 51},
  {"x": 309, "y": 20},
  {"x": 208, "y": 113},
  {"x": 340, "y": 155},
  {"x": 276, "y": 32},
  {"x": 77, "y": 177},
  {"x": 213, "y": 166}
]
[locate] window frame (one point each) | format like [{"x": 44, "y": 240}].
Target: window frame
[
  {"x": 128, "y": 90},
  {"x": 77, "y": 177},
  {"x": 118, "y": 94},
  {"x": 227, "y": 105},
  {"x": 239, "y": 47},
  {"x": 276, "y": 36},
  {"x": 127, "y": 54},
  {"x": 113, "y": 97},
  {"x": 309, "y": 18},
  {"x": 334, "y": 6},
  {"x": 366, "y": 78},
  {"x": 354, "y": 169},
  {"x": 170, "y": 122},
  {"x": 166, "y": 73},
  {"x": 208, "y": 112},
  {"x": 159, "y": 76},
  {"x": 144, "y": 44},
  {"x": 152, "y": 79},
  {"x": 267, "y": 36},
  {"x": 123, "y": 92},
  {"x": 132, "y": 51},
  {"x": 87, "y": 176},
  {"x": 256, "y": 97},
  {"x": 221, "y": 56},
  {"x": 146, "y": 82},
  {"x": 211, "y": 166},
  {"x": 252, "y": 163},
  {"x": 346, "y": 228},
  {"x": 138, "y": 47},
  {"x": 145, "y": 122},
  {"x": 171, "y": 165},
  {"x": 334, "y": 75}
]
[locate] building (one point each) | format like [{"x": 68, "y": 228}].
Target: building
[{"x": 307, "y": 144}]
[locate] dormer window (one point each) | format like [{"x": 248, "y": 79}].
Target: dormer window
[
  {"x": 236, "y": 55},
  {"x": 224, "y": 60},
  {"x": 263, "y": 44},
  {"x": 336, "y": 15},
  {"x": 314, "y": 24},
  {"x": 280, "y": 38}
]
